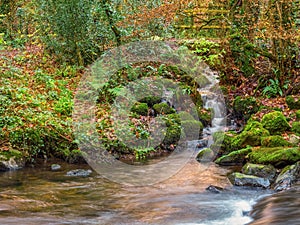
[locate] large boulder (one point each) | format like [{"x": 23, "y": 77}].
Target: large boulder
[
  {"x": 259, "y": 170},
  {"x": 240, "y": 179},
  {"x": 287, "y": 177},
  {"x": 234, "y": 158},
  {"x": 278, "y": 156},
  {"x": 275, "y": 122}
]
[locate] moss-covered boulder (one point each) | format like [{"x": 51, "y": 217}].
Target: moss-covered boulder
[
  {"x": 140, "y": 108},
  {"x": 163, "y": 108},
  {"x": 278, "y": 156},
  {"x": 251, "y": 135},
  {"x": 293, "y": 102},
  {"x": 275, "y": 122},
  {"x": 275, "y": 141},
  {"x": 245, "y": 107},
  {"x": 296, "y": 127},
  {"x": 223, "y": 142},
  {"x": 240, "y": 179},
  {"x": 234, "y": 158},
  {"x": 174, "y": 131},
  {"x": 192, "y": 129},
  {"x": 205, "y": 155},
  {"x": 259, "y": 170}
]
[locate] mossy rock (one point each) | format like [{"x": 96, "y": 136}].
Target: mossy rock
[
  {"x": 275, "y": 141},
  {"x": 275, "y": 122},
  {"x": 205, "y": 116},
  {"x": 163, "y": 108},
  {"x": 140, "y": 108},
  {"x": 172, "y": 136},
  {"x": 296, "y": 127},
  {"x": 205, "y": 155},
  {"x": 245, "y": 107},
  {"x": 224, "y": 142},
  {"x": 298, "y": 115},
  {"x": 292, "y": 102},
  {"x": 260, "y": 170},
  {"x": 172, "y": 119},
  {"x": 278, "y": 156},
  {"x": 151, "y": 100},
  {"x": 192, "y": 129},
  {"x": 251, "y": 135},
  {"x": 234, "y": 158},
  {"x": 202, "y": 81},
  {"x": 240, "y": 179},
  {"x": 186, "y": 116}
]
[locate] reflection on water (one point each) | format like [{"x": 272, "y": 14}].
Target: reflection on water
[{"x": 41, "y": 196}]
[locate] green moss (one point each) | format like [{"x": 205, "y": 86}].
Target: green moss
[
  {"x": 296, "y": 127},
  {"x": 205, "y": 116},
  {"x": 172, "y": 119},
  {"x": 292, "y": 102},
  {"x": 140, "y": 109},
  {"x": 245, "y": 107},
  {"x": 6, "y": 155},
  {"x": 251, "y": 135},
  {"x": 275, "y": 122},
  {"x": 278, "y": 156},
  {"x": 185, "y": 116},
  {"x": 274, "y": 141},
  {"x": 298, "y": 115},
  {"x": 235, "y": 157},
  {"x": 192, "y": 128},
  {"x": 205, "y": 155},
  {"x": 163, "y": 108},
  {"x": 172, "y": 135},
  {"x": 151, "y": 100}
]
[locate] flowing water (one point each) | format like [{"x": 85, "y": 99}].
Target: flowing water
[{"x": 41, "y": 196}]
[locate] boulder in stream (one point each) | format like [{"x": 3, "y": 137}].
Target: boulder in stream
[
  {"x": 234, "y": 158},
  {"x": 287, "y": 177},
  {"x": 240, "y": 179},
  {"x": 259, "y": 170}
]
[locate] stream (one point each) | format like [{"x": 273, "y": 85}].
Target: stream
[{"x": 41, "y": 196}]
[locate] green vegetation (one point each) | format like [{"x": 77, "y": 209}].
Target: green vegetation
[{"x": 46, "y": 46}]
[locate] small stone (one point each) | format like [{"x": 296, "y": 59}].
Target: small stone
[
  {"x": 214, "y": 189},
  {"x": 55, "y": 167},
  {"x": 79, "y": 173}
]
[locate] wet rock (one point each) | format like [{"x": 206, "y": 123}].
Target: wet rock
[
  {"x": 259, "y": 170},
  {"x": 287, "y": 177},
  {"x": 12, "y": 163},
  {"x": 294, "y": 139},
  {"x": 214, "y": 189},
  {"x": 205, "y": 155},
  {"x": 55, "y": 167},
  {"x": 79, "y": 173},
  {"x": 234, "y": 158},
  {"x": 240, "y": 179}
]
